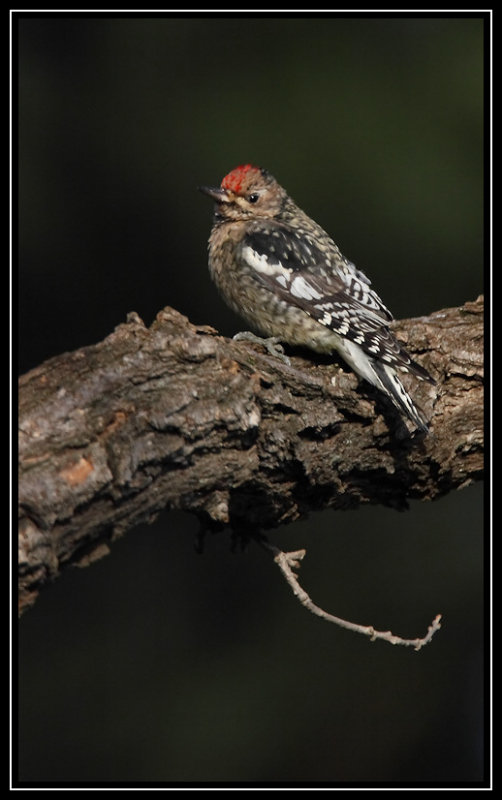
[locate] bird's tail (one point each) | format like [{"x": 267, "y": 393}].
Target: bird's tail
[{"x": 388, "y": 381}]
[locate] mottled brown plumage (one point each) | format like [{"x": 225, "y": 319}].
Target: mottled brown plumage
[{"x": 285, "y": 275}]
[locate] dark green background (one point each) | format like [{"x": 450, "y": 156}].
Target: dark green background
[{"x": 159, "y": 665}]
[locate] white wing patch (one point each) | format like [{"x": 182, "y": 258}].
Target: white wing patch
[
  {"x": 302, "y": 288},
  {"x": 260, "y": 262},
  {"x": 299, "y": 286}
]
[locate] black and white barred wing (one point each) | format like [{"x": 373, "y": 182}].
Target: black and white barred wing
[{"x": 328, "y": 288}]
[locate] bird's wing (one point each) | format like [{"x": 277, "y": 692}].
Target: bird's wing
[
  {"x": 309, "y": 277},
  {"x": 327, "y": 287}
]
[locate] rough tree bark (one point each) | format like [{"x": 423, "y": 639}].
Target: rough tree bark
[{"x": 176, "y": 416}]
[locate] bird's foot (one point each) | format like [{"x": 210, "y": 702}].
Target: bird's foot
[{"x": 272, "y": 345}]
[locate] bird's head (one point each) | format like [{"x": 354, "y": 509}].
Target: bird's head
[{"x": 245, "y": 193}]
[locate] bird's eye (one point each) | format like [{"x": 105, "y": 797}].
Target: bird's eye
[{"x": 253, "y": 198}]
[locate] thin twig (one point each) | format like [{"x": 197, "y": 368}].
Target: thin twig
[{"x": 288, "y": 562}]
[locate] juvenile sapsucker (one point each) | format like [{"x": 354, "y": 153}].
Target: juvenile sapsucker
[{"x": 281, "y": 271}]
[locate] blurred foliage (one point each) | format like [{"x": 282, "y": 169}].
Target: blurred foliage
[{"x": 155, "y": 665}]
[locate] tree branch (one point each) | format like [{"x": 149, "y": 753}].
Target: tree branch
[
  {"x": 176, "y": 416},
  {"x": 289, "y": 564}
]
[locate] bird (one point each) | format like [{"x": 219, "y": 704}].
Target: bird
[{"x": 282, "y": 273}]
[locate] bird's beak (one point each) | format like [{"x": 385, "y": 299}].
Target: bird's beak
[{"x": 218, "y": 194}]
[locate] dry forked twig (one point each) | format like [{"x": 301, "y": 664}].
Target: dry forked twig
[{"x": 289, "y": 562}]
